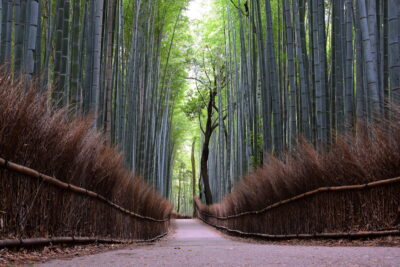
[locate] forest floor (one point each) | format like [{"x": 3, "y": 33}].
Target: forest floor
[{"x": 192, "y": 243}]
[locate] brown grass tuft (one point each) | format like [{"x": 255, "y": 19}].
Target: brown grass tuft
[
  {"x": 371, "y": 155},
  {"x": 70, "y": 150}
]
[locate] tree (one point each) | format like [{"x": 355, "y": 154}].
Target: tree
[
  {"x": 105, "y": 58},
  {"x": 208, "y": 82},
  {"x": 309, "y": 68}
]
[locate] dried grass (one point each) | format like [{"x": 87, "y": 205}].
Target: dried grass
[
  {"x": 69, "y": 149},
  {"x": 372, "y": 154}
]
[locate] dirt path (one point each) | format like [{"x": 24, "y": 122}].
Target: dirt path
[{"x": 194, "y": 244}]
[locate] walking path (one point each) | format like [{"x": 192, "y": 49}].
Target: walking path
[{"x": 194, "y": 244}]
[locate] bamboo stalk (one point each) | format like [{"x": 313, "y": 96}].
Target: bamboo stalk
[
  {"x": 304, "y": 236},
  {"x": 75, "y": 189},
  {"x": 301, "y": 196},
  {"x": 29, "y": 242}
]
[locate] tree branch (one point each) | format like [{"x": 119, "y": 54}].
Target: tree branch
[
  {"x": 217, "y": 124},
  {"x": 201, "y": 95},
  {"x": 205, "y": 71},
  {"x": 214, "y": 127},
  {"x": 238, "y": 8},
  {"x": 201, "y": 125},
  {"x": 198, "y": 80}
]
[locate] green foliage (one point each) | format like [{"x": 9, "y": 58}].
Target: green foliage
[{"x": 194, "y": 105}]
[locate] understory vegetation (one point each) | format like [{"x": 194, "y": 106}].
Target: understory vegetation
[
  {"x": 242, "y": 102},
  {"x": 116, "y": 60},
  {"x": 69, "y": 149},
  {"x": 370, "y": 155},
  {"x": 276, "y": 70}
]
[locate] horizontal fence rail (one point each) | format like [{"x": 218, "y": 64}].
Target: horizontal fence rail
[
  {"x": 75, "y": 189},
  {"x": 315, "y": 235},
  {"x": 31, "y": 213},
  {"x": 307, "y": 194},
  {"x": 27, "y": 242},
  {"x": 307, "y": 215}
]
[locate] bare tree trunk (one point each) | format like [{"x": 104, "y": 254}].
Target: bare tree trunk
[
  {"x": 369, "y": 60},
  {"x": 206, "y": 148},
  {"x": 292, "y": 97},
  {"x": 97, "y": 35},
  {"x": 111, "y": 9},
  {"x": 178, "y": 209},
  {"x": 33, "y": 20},
  {"x": 394, "y": 49},
  {"x": 193, "y": 176}
]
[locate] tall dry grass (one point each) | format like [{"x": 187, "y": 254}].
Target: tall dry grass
[
  {"x": 372, "y": 154},
  {"x": 69, "y": 149}
]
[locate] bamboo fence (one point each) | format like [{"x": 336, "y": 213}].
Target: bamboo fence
[
  {"x": 69, "y": 213},
  {"x": 371, "y": 209},
  {"x": 70, "y": 240}
]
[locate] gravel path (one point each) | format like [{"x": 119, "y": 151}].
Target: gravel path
[{"x": 194, "y": 244}]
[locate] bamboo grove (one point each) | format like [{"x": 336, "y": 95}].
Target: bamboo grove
[
  {"x": 254, "y": 75},
  {"x": 287, "y": 68},
  {"x": 106, "y": 58}
]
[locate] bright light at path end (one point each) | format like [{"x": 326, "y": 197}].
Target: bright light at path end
[{"x": 198, "y": 9}]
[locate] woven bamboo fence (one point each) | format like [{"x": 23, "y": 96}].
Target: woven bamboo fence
[
  {"x": 371, "y": 209},
  {"x": 38, "y": 209}
]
